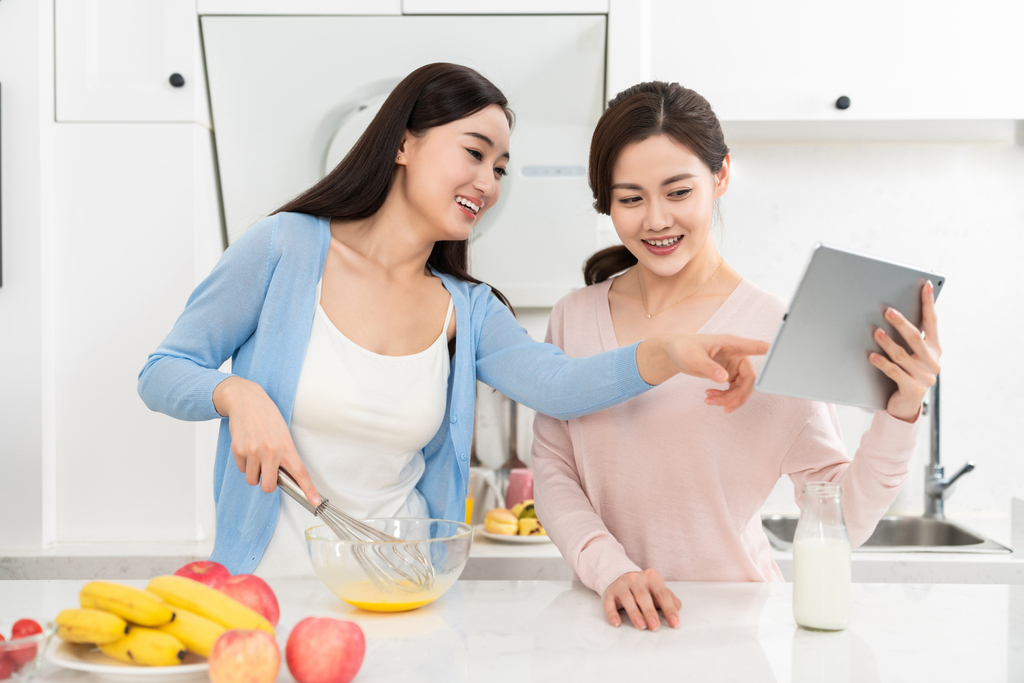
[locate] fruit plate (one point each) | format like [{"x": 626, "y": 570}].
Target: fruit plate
[
  {"x": 89, "y": 659},
  {"x": 511, "y": 539}
]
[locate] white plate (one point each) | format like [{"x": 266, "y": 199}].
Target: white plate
[
  {"x": 511, "y": 539},
  {"x": 89, "y": 659}
]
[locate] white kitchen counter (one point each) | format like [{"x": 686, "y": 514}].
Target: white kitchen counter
[{"x": 556, "y": 631}]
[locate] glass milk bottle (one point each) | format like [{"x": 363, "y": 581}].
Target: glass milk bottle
[{"x": 821, "y": 560}]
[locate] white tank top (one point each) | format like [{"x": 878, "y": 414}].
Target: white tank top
[{"x": 360, "y": 423}]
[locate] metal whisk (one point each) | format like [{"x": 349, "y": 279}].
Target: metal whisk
[{"x": 388, "y": 561}]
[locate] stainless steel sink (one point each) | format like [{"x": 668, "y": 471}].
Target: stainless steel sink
[{"x": 896, "y": 534}]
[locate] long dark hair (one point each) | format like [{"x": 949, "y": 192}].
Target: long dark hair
[
  {"x": 430, "y": 96},
  {"x": 635, "y": 114}
]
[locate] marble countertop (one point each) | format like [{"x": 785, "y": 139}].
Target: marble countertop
[{"x": 556, "y": 631}]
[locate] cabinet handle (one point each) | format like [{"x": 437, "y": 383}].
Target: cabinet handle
[
  {"x": 177, "y": 80},
  {"x": 842, "y": 103}
]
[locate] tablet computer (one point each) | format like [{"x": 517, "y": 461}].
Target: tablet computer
[{"x": 820, "y": 351}]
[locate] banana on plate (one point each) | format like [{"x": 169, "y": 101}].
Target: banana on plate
[
  {"x": 131, "y": 604},
  {"x": 196, "y": 633},
  {"x": 207, "y": 602},
  {"x": 90, "y": 626},
  {"x": 147, "y": 647}
]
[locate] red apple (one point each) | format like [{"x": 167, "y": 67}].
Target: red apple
[
  {"x": 6, "y": 668},
  {"x": 325, "y": 650},
  {"x": 254, "y": 593},
  {"x": 241, "y": 656},
  {"x": 212, "y": 574}
]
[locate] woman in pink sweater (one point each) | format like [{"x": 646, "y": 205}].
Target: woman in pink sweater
[{"x": 661, "y": 487}]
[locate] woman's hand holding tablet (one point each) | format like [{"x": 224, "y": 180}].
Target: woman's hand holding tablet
[{"x": 915, "y": 372}]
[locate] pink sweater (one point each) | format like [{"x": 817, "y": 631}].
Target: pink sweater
[{"x": 665, "y": 481}]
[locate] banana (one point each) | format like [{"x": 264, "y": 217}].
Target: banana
[
  {"x": 196, "y": 633},
  {"x": 90, "y": 626},
  {"x": 208, "y": 602},
  {"x": 132, "y": 604},
  {"x": 146, "y": 646}
]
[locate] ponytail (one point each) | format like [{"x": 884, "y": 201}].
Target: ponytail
[{"x": 606, "y": 263}]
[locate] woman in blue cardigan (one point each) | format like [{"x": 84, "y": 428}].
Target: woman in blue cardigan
[{"x": 357, "y": 335}]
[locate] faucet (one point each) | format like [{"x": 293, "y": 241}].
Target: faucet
[{"x": 935, "y": 487}]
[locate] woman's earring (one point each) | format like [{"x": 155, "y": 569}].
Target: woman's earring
[{"x": 399, "y": 158}]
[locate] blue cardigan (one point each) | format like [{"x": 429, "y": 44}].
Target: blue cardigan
[{"x": 256, "y": 307}]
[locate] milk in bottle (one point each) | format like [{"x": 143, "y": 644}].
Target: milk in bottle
[{"x": 821, "y": 560}]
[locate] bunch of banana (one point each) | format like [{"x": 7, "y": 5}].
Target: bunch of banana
[
  {"x": 141, "y": 627},
  {"x": 118, "y": 639},
  {"x": 119, "y": 620}
]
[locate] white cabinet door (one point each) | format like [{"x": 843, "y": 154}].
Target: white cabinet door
[
  {"x": 133, "y": 230},
  {"x": 128, "y": 60},
  {"x": 792, "y": 60}
]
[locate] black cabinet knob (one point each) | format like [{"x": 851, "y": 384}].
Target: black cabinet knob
[
  {"x": 843, "y": 102},
  {"x": 177, "y": 80}
]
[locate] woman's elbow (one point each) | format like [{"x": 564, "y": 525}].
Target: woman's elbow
[{"x": 146, "y": 385}]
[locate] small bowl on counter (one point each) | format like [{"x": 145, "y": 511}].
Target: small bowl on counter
[
  {"x": 21, "y": 658},
  {"x": 342, "y": 565}
]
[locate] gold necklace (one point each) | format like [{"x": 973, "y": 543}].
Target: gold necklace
[{"x": 640, "y": 284}]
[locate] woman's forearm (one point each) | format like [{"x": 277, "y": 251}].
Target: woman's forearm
[{"x": 665, "y": 356}]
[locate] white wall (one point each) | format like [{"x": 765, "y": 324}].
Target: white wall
[
  {"x": 23, "y": 59},
  {"x": 954, "y": 208}
]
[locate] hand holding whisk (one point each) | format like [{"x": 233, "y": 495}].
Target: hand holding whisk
[{"x": 387, "y": 560}]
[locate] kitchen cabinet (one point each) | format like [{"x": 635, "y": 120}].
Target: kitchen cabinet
[
  {"x": 300, "y": 7},
  {"x": 136, "y": 226},
  {"x": 458, "y": 7},
  {"x": 124, "y": 60},
  {"x": 805, "y": 61}
]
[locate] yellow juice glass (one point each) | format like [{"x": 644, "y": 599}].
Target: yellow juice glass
[{"x": 469, "y": 497}]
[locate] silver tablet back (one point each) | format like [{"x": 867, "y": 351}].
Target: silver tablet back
[{"x": 821, "y": 349}]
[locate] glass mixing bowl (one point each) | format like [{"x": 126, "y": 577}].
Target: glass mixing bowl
[{"x": 442, "y": 543}]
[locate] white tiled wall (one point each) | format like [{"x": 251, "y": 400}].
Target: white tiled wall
[{"x": 954, "y": 208}]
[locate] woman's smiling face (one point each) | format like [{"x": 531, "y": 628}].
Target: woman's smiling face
[
  {"x": 662, "y": 202},
  {"x": 453, "y": 172}
]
